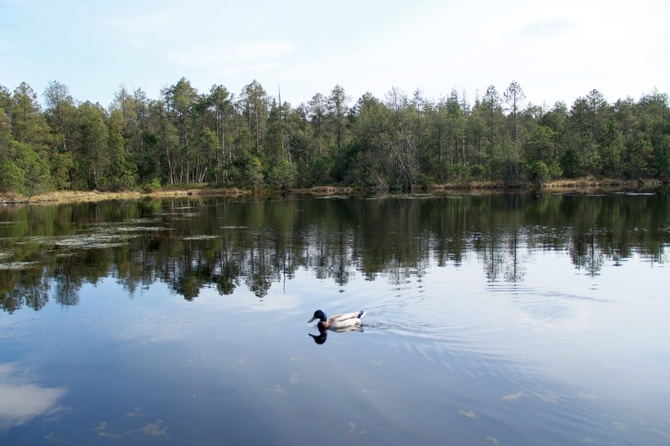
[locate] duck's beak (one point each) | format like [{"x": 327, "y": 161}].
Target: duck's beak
[{"x": 311, "y": 319}]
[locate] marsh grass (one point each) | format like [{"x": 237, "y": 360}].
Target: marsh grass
[
  {"x": 92, "y": 196},
  {"x": 201, "y": 190}
]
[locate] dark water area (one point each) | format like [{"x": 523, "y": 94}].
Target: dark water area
[{"x": 513, "y": 319}]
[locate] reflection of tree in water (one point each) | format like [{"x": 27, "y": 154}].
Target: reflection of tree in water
[
  {"x": 191, "y": 281},
  {"x": 514, "y": 269},
  {"x": 261, "y": 244},
  {"x": 501, "y": 257},
  {"x": 37, "y": 295},
  {"x": 67, "y": 281},
  {"x": 492, "y": 258},
  {"x": 25, "y": 288},
  {"x": 226, "y": 277},
  {"x": 260, "y": 267},
  {"x": 587, "y": 255},
  {"x": 328, "y": 253}
]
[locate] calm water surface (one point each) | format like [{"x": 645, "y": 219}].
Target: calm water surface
[{"x": 492, "y": 320}]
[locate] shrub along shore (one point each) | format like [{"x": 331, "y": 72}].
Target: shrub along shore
[{"x": 576, "y": 185}]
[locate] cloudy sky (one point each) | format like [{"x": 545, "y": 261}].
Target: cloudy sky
[{"x": 554, "y": 50}]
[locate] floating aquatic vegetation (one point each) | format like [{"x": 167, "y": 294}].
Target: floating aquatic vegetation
[
  {"x": 278, "y": 389},
  {"x": 199, "y": 237},
  {"x": 155, "y": 429},
  {"x": 547, "y": 398},
  {"x": 493, "y": 440},
  {"x": 98, "y": 240},
  {"x": 331, "y": 197},
  {"x": 378, "y": 362},
  {"x": 136, "y": 225},
  {"x": 92, "y": 241},
  {"x": 102, "y": 426},
  {"x": 663, "y": 434},
  {"x": 143, "y": 228},
  {"x": 133, "y": 221},
  {"x": 55, "y": 439},
  {"x": 137, "y": 412},
  {"x": 413, "y": 196},
  {"x": 64, "y": 254},
  {"x": 182, "y": 214},
  {"x": 15, "y": 266},
  {"x": 353, "y": 430},
  {"x": 469, "y": 414},
  {"x": 513, "y": 397},
  {"x": 618, "y": 425}
]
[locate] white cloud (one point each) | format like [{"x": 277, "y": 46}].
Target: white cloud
[
  {"x": 556, "y": 51},
  {"x": 547, "y": 27}
]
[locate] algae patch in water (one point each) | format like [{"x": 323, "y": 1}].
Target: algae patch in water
[
  {"x": 98, "y": 240},
  {"x": 15, "y": 266},
  {"x": 199, "y": 237},
  {"x": 469, "y": 414},
  {"x": 155, "y": 429}
]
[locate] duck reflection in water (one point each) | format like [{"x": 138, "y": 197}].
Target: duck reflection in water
[{"x": 339, "y": 323}]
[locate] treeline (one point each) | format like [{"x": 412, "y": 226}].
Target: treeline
[{"x": 254, "y": 140}]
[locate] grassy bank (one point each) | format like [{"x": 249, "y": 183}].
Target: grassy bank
[
  {"x": 576, "y": 184},
  {"x": 581, "y": 184},
  {"x": 82, "y": 196}
]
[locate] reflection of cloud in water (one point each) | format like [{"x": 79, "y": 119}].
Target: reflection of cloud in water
[{"x": 20, "y": 402}]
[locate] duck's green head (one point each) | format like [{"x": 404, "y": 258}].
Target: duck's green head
[{"x": 320, "y": 315}]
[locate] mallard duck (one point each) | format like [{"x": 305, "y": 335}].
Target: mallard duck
[{"x": 340, "y": 322}]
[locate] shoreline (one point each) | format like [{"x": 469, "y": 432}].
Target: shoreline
[{"x": 576, "y": 185}]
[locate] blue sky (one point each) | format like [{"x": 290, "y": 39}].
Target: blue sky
[{"x": 554, "y": 50}]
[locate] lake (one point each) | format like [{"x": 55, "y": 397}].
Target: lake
[{"x": 491, "y": 319}]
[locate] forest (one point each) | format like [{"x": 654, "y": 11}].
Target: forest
[{"x": 253, "y": 140}]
